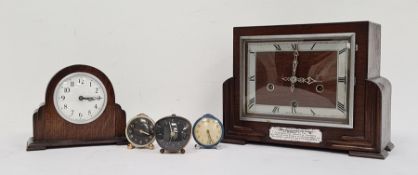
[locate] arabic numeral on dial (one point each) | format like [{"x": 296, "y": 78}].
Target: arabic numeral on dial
[
  {"x": 89, "y": 112},
  {"x": 72, "y": 84},
  {"x": 80, "y": 115},
  {"x": 97, "y": 90},
  {"x": 67, "y": 90},
  {"x": 95, "y": 106},
  {"x": 62, "y": 97},
  {"x": 65, "y": 106}
]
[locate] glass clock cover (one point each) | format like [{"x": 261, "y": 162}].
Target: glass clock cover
[
  {"x": 208, "y": 131},
  {"x": 298, "y": 79},
  {"x": 140, "y": 130},
  {"x": 80, "y": 98},
  {"x": 173, "y": 132}
]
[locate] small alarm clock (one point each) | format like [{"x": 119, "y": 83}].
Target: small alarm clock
[
  {"x": 140, "y": 132},
  {"x": 173, "y": 133},
  {"x": 207, "y": 131}
]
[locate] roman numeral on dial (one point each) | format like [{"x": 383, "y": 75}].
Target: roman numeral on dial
[
  {"x": 251, "y": 78},
  {"x": 277, "y": 46},
  {"x": 342, "y": 51},
  {"x": 313, "y": 46},
  {"x": 340, "y": 106},
  {"x": 276, "y": 109},
  {"x": 251, "y": 103},
  {"x": 342, "y": 79}
]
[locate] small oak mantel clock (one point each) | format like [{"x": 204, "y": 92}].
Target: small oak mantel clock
[
  {"x": 309, "y": 85},
  {"x": 79, "y": 110}
]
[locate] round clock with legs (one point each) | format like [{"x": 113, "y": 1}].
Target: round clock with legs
[
  {"x": 140, "y": 132},
  {"x": 207, "y": 131},
  {"x": 173, "y": 133}
]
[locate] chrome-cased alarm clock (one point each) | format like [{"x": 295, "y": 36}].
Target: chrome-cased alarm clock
[{"x": 140, "y": 132}]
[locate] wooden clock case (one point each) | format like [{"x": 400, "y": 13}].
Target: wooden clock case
[
  {"x": 50, "y": 130},
  {"x": 370, "y": 135}
]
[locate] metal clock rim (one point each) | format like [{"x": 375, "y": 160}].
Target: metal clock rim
[
  {"x": 141, "y": 115},
  {"x": 99, "y": 81},
  {"x": 173, "y": 115},
  {"x": 208, "y": 115}
]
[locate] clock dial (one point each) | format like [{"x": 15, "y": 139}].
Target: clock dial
[
  {"x": 208, "y": 131},
  {"x": 80, "y": 98},
  {"x": 173, "y": 133},
  {"x": 140, "y": 131},
  {"x": 298, "y": 77}
]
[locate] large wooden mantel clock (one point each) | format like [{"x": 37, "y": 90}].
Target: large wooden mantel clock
[
  {"x": 309, "y": 85},
  {"x": 79, "y": 110}
]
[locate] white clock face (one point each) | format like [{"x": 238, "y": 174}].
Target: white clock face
[{"x": 80, "y": 98}]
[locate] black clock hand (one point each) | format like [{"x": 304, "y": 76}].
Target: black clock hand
[
  {"x": 210, "y": 138},
  {"x": 146, "y": 133},
  {"x": 81, "y": 98}
]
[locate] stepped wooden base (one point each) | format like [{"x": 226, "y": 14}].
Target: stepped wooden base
[
  {"x": 33, "y": 145},
  {"x": 382, "y": 155}
]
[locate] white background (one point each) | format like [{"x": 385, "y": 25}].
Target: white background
[{"x": 167, "y": 57}]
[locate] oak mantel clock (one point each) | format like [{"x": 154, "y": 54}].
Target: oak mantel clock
[
  {"x": 79, "y": 110},
  {"x": 309, "y": 85}
]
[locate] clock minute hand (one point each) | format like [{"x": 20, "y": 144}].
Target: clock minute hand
[
  {"x": 293, "y": 78},
  {"x": 209, "y": 137}
]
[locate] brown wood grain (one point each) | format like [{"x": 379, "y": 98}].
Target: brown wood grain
[
  {"x": 51, "y": 130},
  {"x": 370, "y": 135},
  {"x": 271, "y": 67}
]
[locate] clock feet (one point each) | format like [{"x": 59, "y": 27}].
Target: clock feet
[
  {"x": 182, "y": 151},
  {"x": 197, "y": 146},
  {"x": 382, "y": 155},
  {"x": 150, "y": 146},
  {"x": 33, "y": 146},
  {"x": 389, "y": 147}
]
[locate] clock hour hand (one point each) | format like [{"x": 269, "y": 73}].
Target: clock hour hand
[{"x": 81, "y": 98}]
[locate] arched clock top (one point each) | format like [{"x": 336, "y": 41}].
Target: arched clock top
[{"x": 83, "y": 69}]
